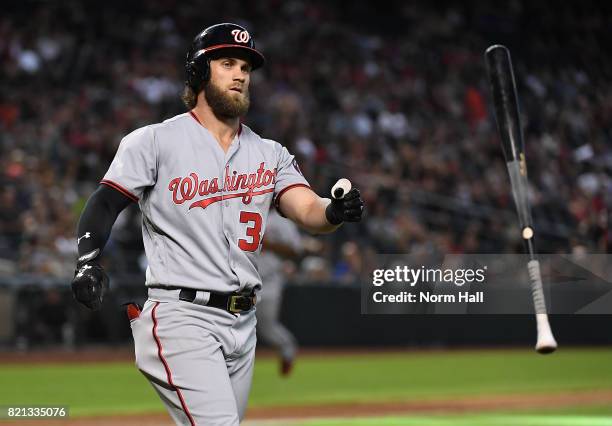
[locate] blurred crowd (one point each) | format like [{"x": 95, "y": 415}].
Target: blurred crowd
[{"x": 394, "y": 97}]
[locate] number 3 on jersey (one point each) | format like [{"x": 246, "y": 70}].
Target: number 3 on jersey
[{"x": 253, "y": 231}]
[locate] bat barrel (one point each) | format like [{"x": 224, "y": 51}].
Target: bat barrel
[{"x": 505, "y": 100}]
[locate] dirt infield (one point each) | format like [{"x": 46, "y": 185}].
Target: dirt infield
[
  {"x": 450, "y": 406},
  {"x": 456, "y": 405}
]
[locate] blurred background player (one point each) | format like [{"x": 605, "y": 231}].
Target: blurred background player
[{"x": 282, "y": 241}]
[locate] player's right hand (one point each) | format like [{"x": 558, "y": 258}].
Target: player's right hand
[{"x": 89, "y": 285}]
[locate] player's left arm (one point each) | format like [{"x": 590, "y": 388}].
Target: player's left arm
[
  {"x": 296, "y": 201},
  {"x": 320, "y": 215}
]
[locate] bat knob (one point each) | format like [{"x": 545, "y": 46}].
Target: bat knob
[
  {"x": 546, "y": 342},
  {"x": 341, "y": 188},
  {"x": 546, "y": 349}
]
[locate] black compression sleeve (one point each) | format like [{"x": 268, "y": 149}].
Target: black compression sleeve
[{"x": 98, "y": 217}]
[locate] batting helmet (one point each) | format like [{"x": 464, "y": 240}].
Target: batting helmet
[{"x": 213, "y": 40}]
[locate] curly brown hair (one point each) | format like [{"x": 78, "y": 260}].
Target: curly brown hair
[{"x": 189, "y": 97}]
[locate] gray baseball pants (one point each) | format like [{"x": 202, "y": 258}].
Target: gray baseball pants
[{"x": 198, "y": 358}]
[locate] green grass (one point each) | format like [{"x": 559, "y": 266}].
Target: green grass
[
  {"x": 467, "y": 420},
  {"x": 111, "y": 388},
  {"x": 115, "y": 388},
  {"x": 411, "y": 376},
  {"x": 576, "y": 416}
]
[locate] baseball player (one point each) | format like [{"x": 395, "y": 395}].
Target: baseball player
[
  {"x": 283, "y": 241},
  {"x": 204, "y": 183}
]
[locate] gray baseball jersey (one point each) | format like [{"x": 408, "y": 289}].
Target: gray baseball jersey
[{"x": 204, "y": 210}]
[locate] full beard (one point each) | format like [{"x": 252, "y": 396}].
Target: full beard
[{"x": 226, "y": 106}]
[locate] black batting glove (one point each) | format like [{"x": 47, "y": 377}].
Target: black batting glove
[
  {"x": 90, "y": 282},
  {"x": 346, "y": 209}
]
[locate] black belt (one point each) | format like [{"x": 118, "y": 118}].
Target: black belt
[{"x": 234, "y": 302}]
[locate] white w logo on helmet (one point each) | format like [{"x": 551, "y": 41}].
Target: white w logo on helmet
[{"x": 241, "y": 36}]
